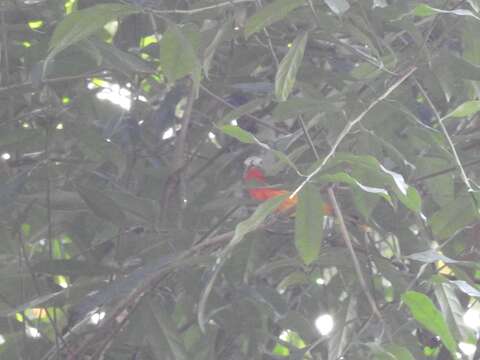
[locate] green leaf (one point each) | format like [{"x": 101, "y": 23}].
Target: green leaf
[
  {"x": 405, "y": 193},
  {"x": 430, "y": 256},
  {"x": 118, "y": 59},
  {"x": 444, "y": 186},
  {"x": 452, "y": 310},
  {"x": 293, "y": 279},
  {"x": 426, "y": 10},
  {"x": 309, "y": 224},
  {"x": 468, "y": 108},
  {"x": 72, "y": 267},
  {"x": 81, "y": 24},
  {"x": 400, "y": 352},
  {"x": 270, "y": 14},
  {"x": 143, "y": 208},
  {"x": 392, "y": 352},
  {"x": 288, "y": 68},
  {"x": 209, "y": 52},
  {"x": 246, "y": 108},
  {"x": 453, "y": 217},
  {"x": 285, "y": 159},
  {"x": 256, "y": 219},
  {"x": 425, "y": 312},
  {"x": 239, "y": 134},
  {"x": 338, "y": 6},
  {"x": 17, "y": 135},
  {"x": 423, "y": 10},
  {"x": 248, "y": 138},
  {"x": 368, "y": 71},
  {"x": 177, "y": 53},
  {"x": 95, "y": 146},
  {"x": 153, "y": 334},
  {"x": 399, "y": 281},
  {"x": 9, "y": 190},
  {"x": 102, "y": 205},
  {"x": 269, "y": 296},
  {"x": 338, "y": 344},
  {"x": 59, "y": 200},
  {"x": 471, "y": 45},
  {"x": 242, "y": 229},
  {"x": 345, "y": 178},
  {"x": 466, "y": 288},
  {"x": 448, "y": 66},
  {"x": 295, "y": 106},
  {"x": 169, "y": 328}
]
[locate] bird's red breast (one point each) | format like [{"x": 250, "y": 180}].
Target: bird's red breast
[
  {"x": 254, "y": 177},
  {"x": 254, "y": 173}
]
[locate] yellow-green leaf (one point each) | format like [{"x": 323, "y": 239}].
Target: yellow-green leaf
[
  {"x": 270, "y": 14},
  {"x": 424, "y": 10},
  {"x": 466, "y": 109},
  {"x": 425, "y": 312},
  {"x": 246, "y": 108},
  {"x": 177, "y": 54},
  {"x": 288, "y": 68},
  {"x": 238, "y": 133},
  {"x": 81, "y": 24},
  {"x": 102, "y": 205},
  {"x": 309, "y": 224}
]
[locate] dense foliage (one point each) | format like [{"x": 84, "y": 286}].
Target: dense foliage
[{"x": 126, "y": 231}]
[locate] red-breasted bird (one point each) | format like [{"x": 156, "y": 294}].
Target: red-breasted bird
[{"x": 258, "y": 189}]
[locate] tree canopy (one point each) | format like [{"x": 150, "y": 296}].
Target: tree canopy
[{"x": 127, "y": 230}]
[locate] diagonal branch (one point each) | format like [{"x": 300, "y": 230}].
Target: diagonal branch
[
  {"x": 346, "y": 130},
  {"x": 356, "y": 262},
  {"x": 460, "y": 167},
  {"x": 444, "y": 171},
  {"x": 200, "y": 9}
]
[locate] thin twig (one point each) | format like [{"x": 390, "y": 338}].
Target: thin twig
[
  {"x": 29, "y": 84},
  {"x": 129, "y": 302},
  {"x": 180, "y": 151},
  {"x": 176, "y": 179},
  {"x": 180, "y": 142},
  {"x": 346, "y": 130},
  {"x": 463, "y": 174},
  {"x": 356, "y": 262},
  {"x": 269, "y": 40},
  {"x": 26, "y": 260},
  {"x": 48, "y": 199},
  {"x": 210, "y": 162},
  {"x": 179, "y": 155},
  {"x": 217, "y": 225},
  {"x": 444, "y": 171},
  {"x": 308, "y": 137},
  {"x": 197, "y": 10}
]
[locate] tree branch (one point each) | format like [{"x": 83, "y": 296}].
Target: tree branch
[
  {"x": 346, "y": 130},
  {"x": 463, "y": 174},
  {"x": 356, "y": 262},
  {"x": 201, "y": 9}
]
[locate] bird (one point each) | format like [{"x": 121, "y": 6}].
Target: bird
[{"x": 259, "y": 189}]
